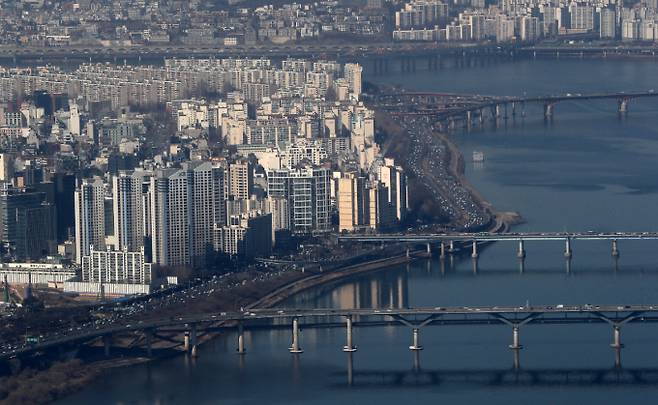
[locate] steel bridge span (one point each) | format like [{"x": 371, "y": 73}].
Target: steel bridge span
[
  {"x": 497, "y": 108},
  {"x": 616, "y": 316}
]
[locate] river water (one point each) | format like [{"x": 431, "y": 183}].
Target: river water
[{"x": 587, "y": 170}]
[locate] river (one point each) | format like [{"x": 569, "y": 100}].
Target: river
[{"x": 587, "y": 170}]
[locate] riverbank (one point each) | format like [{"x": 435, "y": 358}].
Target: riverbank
[
  {"x": 501, "y": 221},
  {"x": 37, "y": 386}
]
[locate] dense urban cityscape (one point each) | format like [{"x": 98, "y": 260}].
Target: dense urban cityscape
[{"x": 177, "y": 174}]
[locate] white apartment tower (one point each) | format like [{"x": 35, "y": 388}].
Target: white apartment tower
[
  {"x": 307, "y": 190},
  {"x": 128, "y": 210},
  {"x": 353, "y": 75},
  {"x": 89, "y": 209}
]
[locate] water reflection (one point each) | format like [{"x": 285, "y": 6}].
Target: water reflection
[
  {"x": 514, "y": 376},
  {"x": 387, "y": 290}
]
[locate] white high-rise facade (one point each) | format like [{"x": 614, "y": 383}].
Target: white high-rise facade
[
  {"x": 353, "y": 73},
  {"x": 128, "y": 210},
  {"x": 186, "y": 206},
  {"x": 307, "y": 190},
  {"x": 89, "y": 201}
]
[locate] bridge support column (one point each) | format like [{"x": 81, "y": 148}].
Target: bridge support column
[
  {"x": 186, "y": 341},
  {"x": 107, "y": 345},
  {"x": 548, "y": 110},
  {"x": 623, "y": 105},
  {"x": 415, "y": 345},
  {"x": 349, "y": 346},
  {"x": 568, "y": 253},
  {"x": 442, "y": 255},
  {"x": 495, "y": 112},
  {"x": 513, "y": 109},
  {"x": 429, "y": 249},
  {"x": 241, "y": 349},
  {"x": 616, "y": 337},
  {"x": 193, "y": 340},
  {"x": 474, "y": 255},
  {"x": 521, "y": 253},
  {"x": 469, "y": 119},
  {"x": 294, "y": 348},
  {"x": 615, "y": 250},
  {"x": 516, "y": 339},
  {"x": 451, "y": 247}
]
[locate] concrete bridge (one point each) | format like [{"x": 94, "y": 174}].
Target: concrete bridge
[
  {"x": 447, "y": 241},
  {"x": 415, "y": 319},
  {"x": 477, "y": 108}
]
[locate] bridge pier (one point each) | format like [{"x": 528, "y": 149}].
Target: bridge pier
[
  {"x": 474, "y": 254},
  {"x": 623, "y": 105},
  {"x": 415, "y": 345},
  {"x": 568, "y": 253},
  {"x": 186, "y": 341},
  {"x": 495, "y": 112},
  {"x": 521, "y": 252},
  {"x": 428, "y": 249},
  {"x": 193, "y": 340},
  {"x": 548, "y": 110},
  {"x": 513, "y": 109},
  {"x": 616, "y": 337},
  {"x": 517, "y": 360},
  {"x": 294, "y": 348},
  {"x": 451, "y": 247},
  {"x": 442, "y": 255},
  {"x": 407, "y": 253},
  {"x": 615, "y": 250},
  {"x": 350, "y": 369},
  {"x": 349, "y": 346},
  {"x": 241, "y": 349},
  {"x": 469, "y": 119},
  {"x": 516, "y": 339}
]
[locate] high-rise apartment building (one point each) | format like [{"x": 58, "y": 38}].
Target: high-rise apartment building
[
  {"x": 353, "y": 73},
  {"x": 128, "y": 210},
  {"x": 241, "y": 180},
  {"x": 307, "y": 190},
  {"x": 395, "y": 180},
  {"x": 186, "y": 206},
  {"x": 353, "y": 206},
  {"x": 607, "y": 23},
  {"x": 89, "y": 200},
  {"x": 27, "y": 223},
  {"x": 582, "y": 16},
  {"x": 116, "y": 267}
]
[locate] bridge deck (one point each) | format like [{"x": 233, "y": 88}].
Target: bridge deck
[{"x": 485, "y": 236}]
